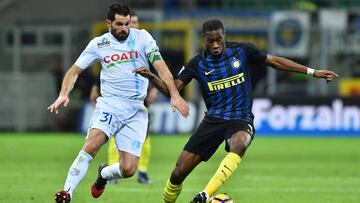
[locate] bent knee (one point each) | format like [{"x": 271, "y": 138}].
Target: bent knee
[
  {"x": 127, "y": 170},
  {"x": 241, "y": 139},
  {"x": 239, "y": 143}
]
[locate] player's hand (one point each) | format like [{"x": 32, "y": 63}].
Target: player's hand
[
  {"x": 177, "y": 102},
  {"x": 325, "y": 74},
  {"x": 143, "y": 71},
  {"x": 60, "y": 100}
]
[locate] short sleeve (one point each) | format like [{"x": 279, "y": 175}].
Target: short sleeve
[
  {"x": 254, "y": 54},
  {"x": 88, "y": 56},
  {"x": 186, "y": 73},
  {"x": 149, "y": 42}
]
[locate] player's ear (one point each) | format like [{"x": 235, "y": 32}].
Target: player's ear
[{"x": 108, "y": 23}]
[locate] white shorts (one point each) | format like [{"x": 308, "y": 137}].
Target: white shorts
[{"x": 126, "y": 120}]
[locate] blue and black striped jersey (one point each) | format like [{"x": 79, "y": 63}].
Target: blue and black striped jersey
[{"x": 225, "y": 80}]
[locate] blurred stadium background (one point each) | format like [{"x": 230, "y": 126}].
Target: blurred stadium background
[{"x": 39, "y": 41}]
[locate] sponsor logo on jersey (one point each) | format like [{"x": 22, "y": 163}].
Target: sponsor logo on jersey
[
  {"x": 208, "y": 72},
  {"x": 105, "y": 42},
  {"x": 125, "y": 57},
  {"x": 236, "y": 63},
  {"x": 226, "y": 82},
  {"x": 181, "y": 70}
]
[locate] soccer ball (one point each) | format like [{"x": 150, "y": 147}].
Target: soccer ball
[{"x": 221, "y": 198}]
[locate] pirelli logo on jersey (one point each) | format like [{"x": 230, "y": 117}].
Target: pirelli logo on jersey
[{"x": 226, "y": 82}]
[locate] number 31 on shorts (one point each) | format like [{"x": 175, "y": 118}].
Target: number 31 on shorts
[{"x": 106, "y": 117}]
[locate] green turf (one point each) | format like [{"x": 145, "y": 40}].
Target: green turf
[{"x": 275, "y": 170}]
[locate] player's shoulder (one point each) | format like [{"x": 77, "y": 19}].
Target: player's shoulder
[
  {"x": 103, "y": 37},
  {"x": 233, "y": 44},
  {"x": 101, "y": 41},
  {"x": 248, "y": 47},
  {"x": 194, "y": 61},
  {"x": 135, "y": 31},
  {"x": 141, "y": 32}
]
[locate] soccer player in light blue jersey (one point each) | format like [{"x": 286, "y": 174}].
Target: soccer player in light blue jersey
[
  {"x": 120, "y": 111},
  {"x": 113, "y": 152}
]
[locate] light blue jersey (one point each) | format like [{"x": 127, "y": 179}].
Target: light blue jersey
[
  {"x": 118, "y": 60},
  {"x": 120, "y": 111}
]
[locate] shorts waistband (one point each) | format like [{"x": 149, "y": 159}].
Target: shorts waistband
[{"x": 119, "y": 99}]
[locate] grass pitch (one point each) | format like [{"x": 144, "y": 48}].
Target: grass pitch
[{"x": 275, "y": 170}]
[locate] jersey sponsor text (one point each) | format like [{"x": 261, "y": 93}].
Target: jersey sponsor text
[{"x": 226, "y": 82}]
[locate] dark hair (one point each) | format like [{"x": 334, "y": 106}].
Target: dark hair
[
  {"x": 133, "y": 13},
  {"x": 117, "y": 8},
  {"x": 211, "y": 25}
]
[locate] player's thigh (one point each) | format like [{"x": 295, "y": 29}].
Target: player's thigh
[
  {"x": 235, "y": 126},
  {"x": 132, "y": 134},
  {"x": 206, "y": 139},
  {"x": 239, "y": 135},
  {"x": 105, "y": 118}
]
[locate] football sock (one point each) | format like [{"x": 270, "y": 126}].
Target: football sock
[
  {"x": 77, "y": 171},
  {"x": 145, "y": 155},
  {"x": 113, "y": 152},
  {"x": 171, "y": 192},
  {"x": 227, "y": 167},
  {"x": 111, "y": 172}
]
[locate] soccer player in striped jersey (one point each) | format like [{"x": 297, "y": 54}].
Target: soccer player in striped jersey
[
  {"x": 120, "y": 111},
  {"x": 222, "y": 71}
]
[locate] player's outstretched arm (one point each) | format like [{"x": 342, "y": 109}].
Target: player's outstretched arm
[
  {"x": 177, "y": 102},
  {"x": 158, "y": 83},
  {"x": 67, "y": 85},
  {"x": 284, "y": 64},
  {"x": 325, "y": 74}
]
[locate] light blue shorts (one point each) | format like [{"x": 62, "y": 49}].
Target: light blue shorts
[{"x": 126, "y": 120}]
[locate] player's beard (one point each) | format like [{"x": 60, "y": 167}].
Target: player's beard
[{"x": 122, "y": 37}]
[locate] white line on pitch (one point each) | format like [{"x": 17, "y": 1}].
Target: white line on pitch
[{"x": 325, "y": 190}]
